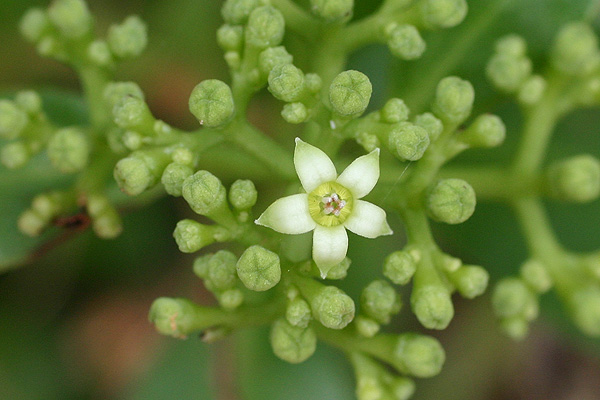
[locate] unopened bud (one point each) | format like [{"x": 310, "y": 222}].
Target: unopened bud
[
  {"x": 128, "y": 39},
  {"x": 259, "y": 269},
  {"x": 451, "y": 201},
  {"x": 350, "y": 93},
  {"x": 443, "y": 13},
  {"x": 453, "y": 99},
  {"x": 71, "y": 17},
  {"x": 265, "y": 28},
  {"x": 332, "y": 307},
  {"x": 68, "y": 150},
  {"x": 191, "y": 236},
  {"x": 211, "y": 102},
  {"x": 408, "y": 141},
  {"x": 332, "y": 10},
  {"x": 292, "y": 343}
]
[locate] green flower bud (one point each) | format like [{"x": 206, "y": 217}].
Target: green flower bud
[
  {"x": 12, "y": 120},
  {"x": 34, "y": 24},
  {"x": 221, "y": 271},
  {"x": 576, "y": 179},
  {"x": 108, "y": 225},
  {"x": 431, "y": 124},
  {"x": 432, "y": 306},
  {"x": 15, "y": 154},
  {"x": 575, "y": 50},
  {"x": 259, "y": 269},
  {"x": 272, "y": 57},
  {"x": 132, "y": 112},
  {"x": 211, "y": 102},
  {"x": 128, "y": 39},
  {"x": 402, "y": 388},
  {"x": 99, "y": 53},
  {"x": 173, "y": 317},
  {"x": 379, "y": 301},
  {"x": 291, "y": 343},
  {"x": 173, "y": 177},
  {"x": 332, "y": 10},
  {"x": 443, "y": 13},
  {"x": 399, "y": 267},
  {"x": 368, "y": 141},
  {"x": 419, "y": 355},
  {"x": 71, "y": 17},
  {"x": 368, "y": 387},
  {"x": 405, "y": 42},
  {"x": 230, "y": 37},
  {"x": 592, "y": 265},
  {"x": 48, "y": 205},
  {"x": 486, "y": 131},
  {"x": 132, "y": 140},
  {"x": 69, "y": 150},
  {"x": 298, "y": 313},
  {"x": 31, "y": 224},
  {"x": 115, "y": 91},
  {"x": 350, "y": 93},
  {"x": 294, "y": 113},
  {"x": 515, "y": 327},
  {"x": 265, "y": 28},
  {"x": 236, "y": 12},
  {"x": 532, "y": 90},
  {"x": 49, "y": 46},
  {"x": 204, "y": 192},
  {"x": 453, "y": 99},
  {"x": 536, "y": 276},
  {"x": 242, "y": 194},
  {"x": 313, "y": 82},
  {"x": 339, "y": 271},
  {"x": 511, "y": 45},
  {"x": 511, "y": 298},
  {"x": 366, "y": 327},
  {"x": 408, "y": 141},
  {"x": 286, "y": 82},
  {"x": 470, "y": 280},
  {"x": 332, "y": 307},
  {"x": 394, "y": 111},
  {"x": 231, "y": 299},
  {"x": 29, "y": 101},
  {"x": 508, "y": 72},
  {"x": 585, "y": 303},
  {"x": 201, "y": 265},
  {"x": 191, "y": 236},
  {"x": 451, "y": 201}
]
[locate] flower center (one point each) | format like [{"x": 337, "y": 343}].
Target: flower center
[{"x": 330, "y": 204}]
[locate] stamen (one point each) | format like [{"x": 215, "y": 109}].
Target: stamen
[{"x": 332, "y": 204}]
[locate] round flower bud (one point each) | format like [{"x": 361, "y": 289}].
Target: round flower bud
[
  {"x": 68, "y": 150},
  {"x": 15, "y": 154},
  {"x": 265, "y": 28},
  {"x": 108, "y": 224},
  {"x": 29, "y": 101},
  {"x": 291, "y": 343},
  {"x": 12, "y": 120},
  {"x": 515, "y": 327},
  {"x": 140, "y": 171},
  {"x": 99, "y": 53},
  {"x": 432, "y": 306},
  {"x": 230, "y": 37},
  {"x": 313, "y": 82},
  {"x": 191, "y": 236},
  {"x": 369, "y": 387},
  {"x": 236, "y": 12},
  {"x": 233, "y": 59},
  {"x": 486, "y": 131},
  {"x": 131, "y": 112},
  {"x": 402, "y": 388},
  {"x": 511, "y": 45},
  {"x": 272, "y": 57},
  {"x": 431, "y": 124},
  {"x": 536, "y": 276},
  {"x": 31, "y": 224},
  {"x": 259, "y": 268},
  {"x": 204, "y": 192},
  {"x": 368, "y": 141},
  {"x": 394, "y": 111},
  {"x": 34, "y": 24},
  {"x": 451, "y": 201},
  {"x": 470, "y": 280},
  {"x": 201, "y": 264},
  {"x": 408, "y": 141},
  {"x": 339, "y": 271},
  {"x": 298, "y": 313},
  {"x": 286, "y": 82},
  {"x": 221, "y": 271},
  {"x": 532, "y": 90},
  {"x": 231, "y": 299},
  {"x": 443, "y": 13},
  {"x": 419, "y": 355},
  {"x": 174, "y": 317},
  {"x": 379, "y": 301},
  {"x": 585, "y": 303},
  {"x": 399, "y": 267},
  {"x": 350, "y": 93},
  {"x": 508, "y": 72},
  {"x": 366, "y": 327},
  {"x": 242, "y": 194},
  {"x": 71, "y": 17},
  {"x": 453, "y": 99},
  {"x": 294, "y": 113},
  {"x": 332, "y": 10},
  {"x": 576, "y": 179},
  {"x": 115, "y": 91},
  {"x": 511, "y": 298},
  {"x": 575, "y": 50},
  {"x": 173, "y": 177},
  {"x": 405, "y": 42},
  {"x": 211, "y": 102},
  {"x": 128, "y": 39},
  {"x": 332, "y": 307}
]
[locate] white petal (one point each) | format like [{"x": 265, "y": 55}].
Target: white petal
[
  {"x": 362, "y": 175},
  {"x": 288, "y": 215},
  {"x": 367, "y": 220},
  {"x": 329, "y": 246},
  {"x": 313, "y": 166}
]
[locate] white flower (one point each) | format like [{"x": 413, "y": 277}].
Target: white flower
[{"x": 330, "y": 205}]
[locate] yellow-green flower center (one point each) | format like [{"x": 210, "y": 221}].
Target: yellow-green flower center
[{"x": 330, "y": 204}]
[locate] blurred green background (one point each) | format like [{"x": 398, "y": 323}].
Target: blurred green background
[{"x": 74, "y": 322}]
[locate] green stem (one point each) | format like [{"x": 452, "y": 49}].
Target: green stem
[
  {"x": 94, "y": 81},
  {"x": 297, "y": 19}
]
